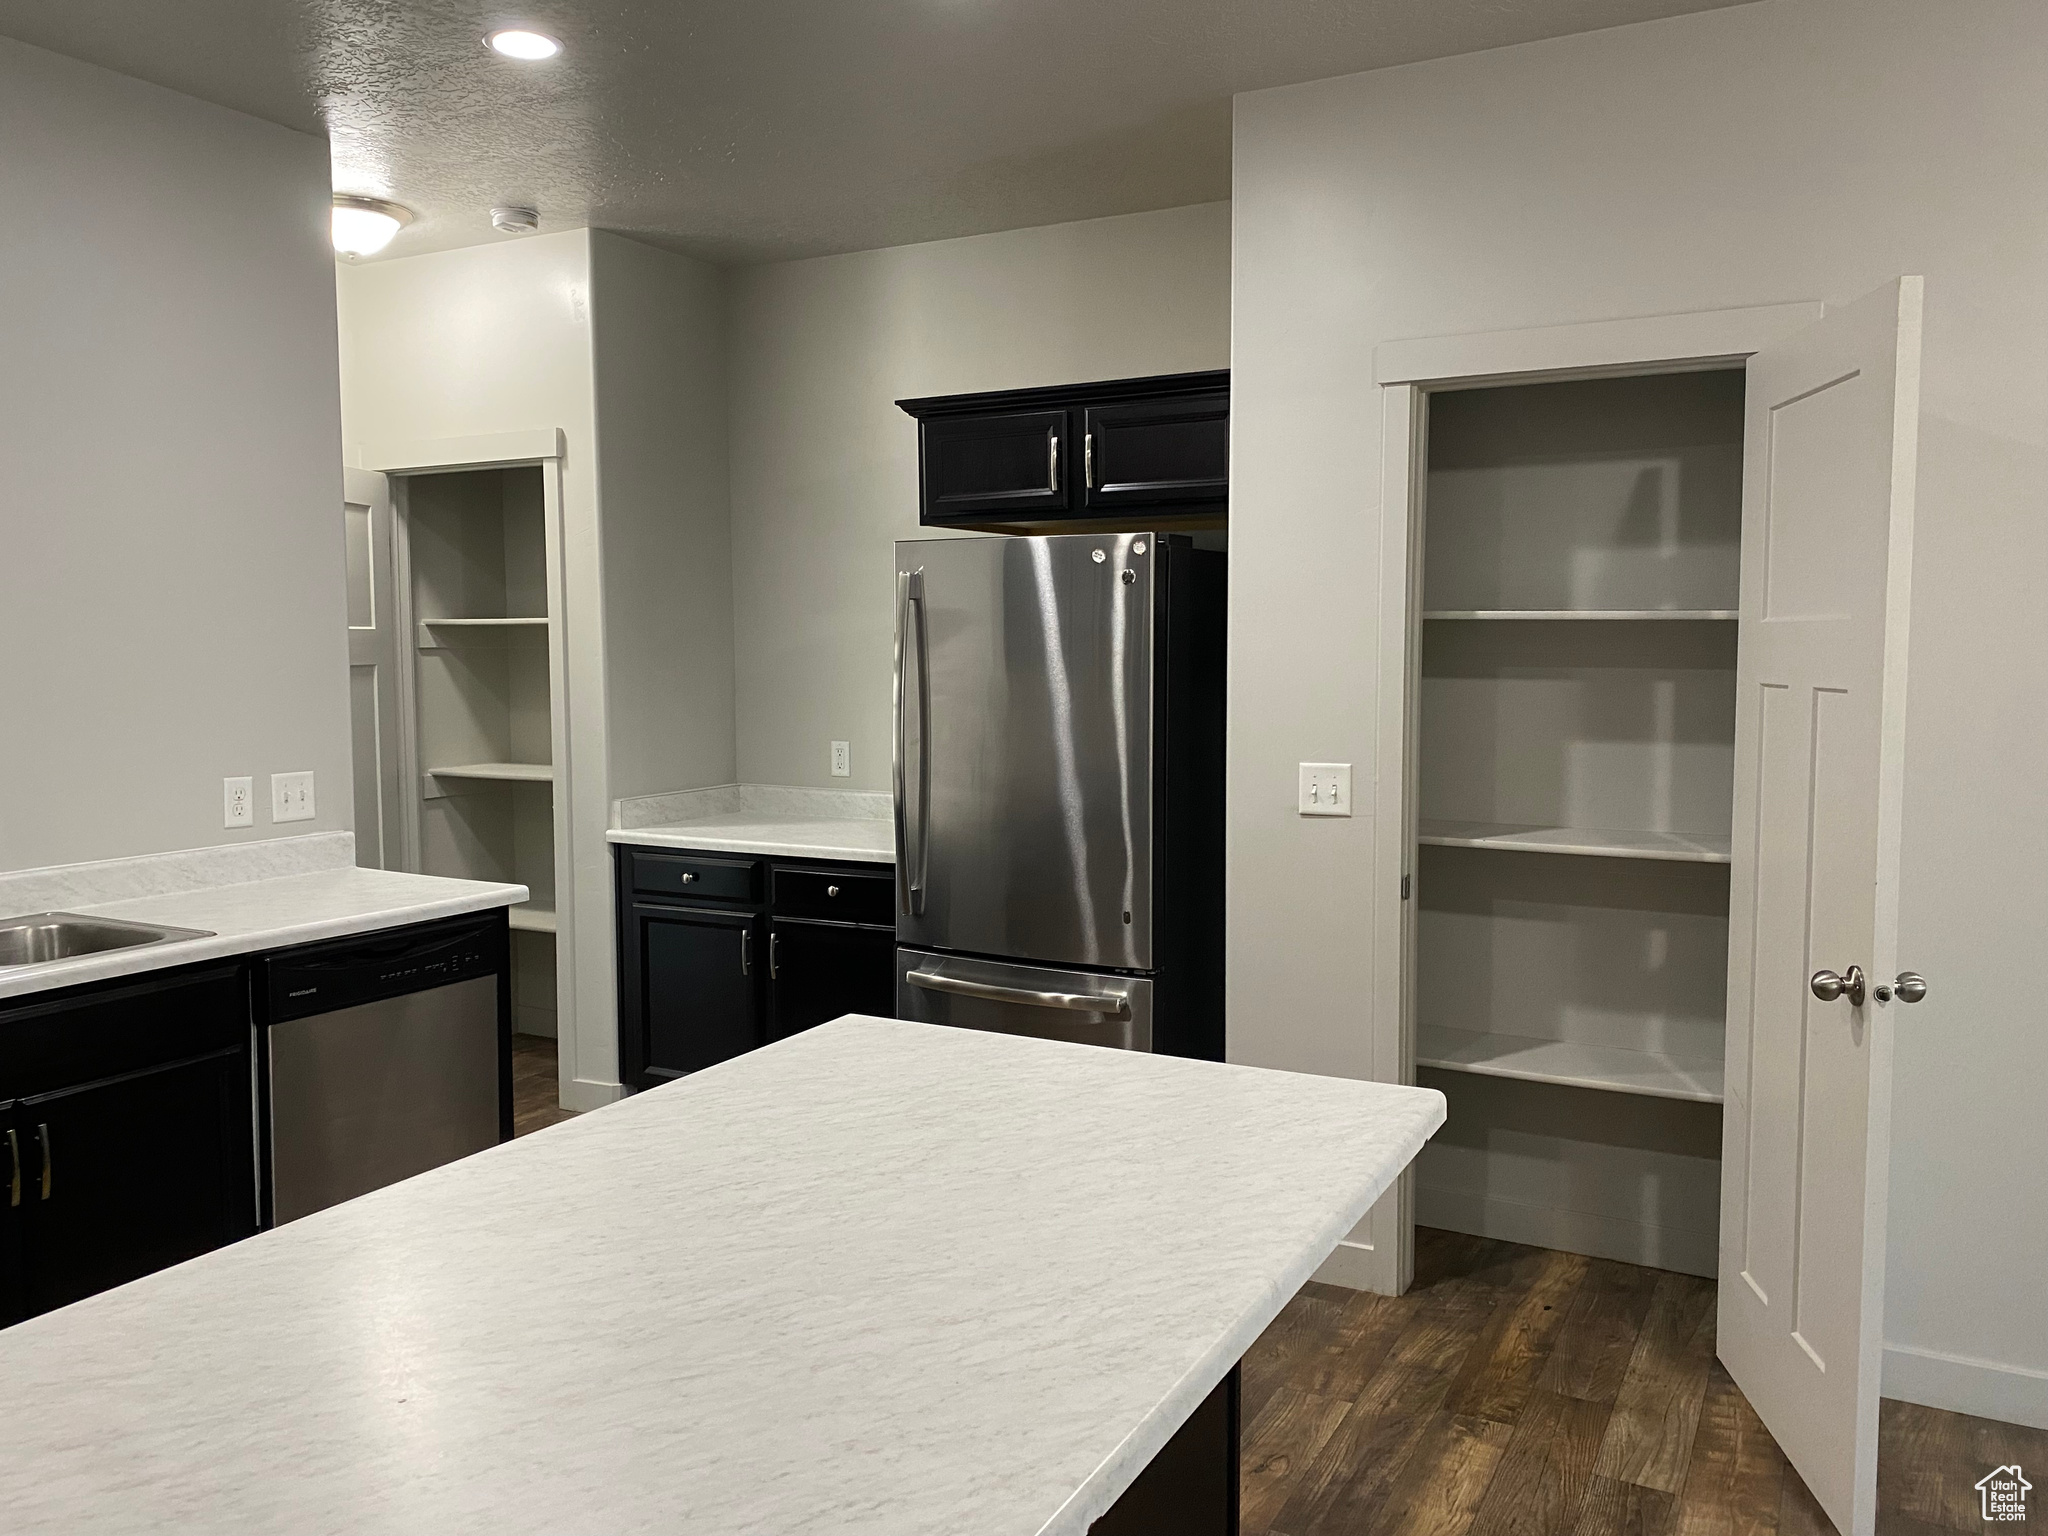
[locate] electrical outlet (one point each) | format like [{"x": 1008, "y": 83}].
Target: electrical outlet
[
  {"x": 1325, "y": 789},
  {"x": 291, "y": 796},
  {"x": 842, "y": 760},
  {"x": 238, "y": 802}
]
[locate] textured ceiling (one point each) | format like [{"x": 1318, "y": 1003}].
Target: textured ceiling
[{"x": 748, "y": 130}]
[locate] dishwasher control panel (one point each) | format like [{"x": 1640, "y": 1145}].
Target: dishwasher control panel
[{"x": 341, "y": 973}]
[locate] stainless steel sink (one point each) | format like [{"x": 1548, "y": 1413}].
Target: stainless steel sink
[{"x": 42, "y": 937}]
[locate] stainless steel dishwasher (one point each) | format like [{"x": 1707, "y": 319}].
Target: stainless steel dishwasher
[{"x": 381, "y": 1056}]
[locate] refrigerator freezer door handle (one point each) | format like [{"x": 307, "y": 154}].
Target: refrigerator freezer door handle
[
  {"x": 911, "y": 831},
  {"x": 1115, "y": 1004}
]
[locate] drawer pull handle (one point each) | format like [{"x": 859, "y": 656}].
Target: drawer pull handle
[
  {"x": 831, "y": 890},
  {"x": 689, "y": 877}
]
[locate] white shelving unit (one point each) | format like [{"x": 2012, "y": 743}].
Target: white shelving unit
[
  {"x": 1575, "y": 707},
  {"x": 477, "y": 557}
]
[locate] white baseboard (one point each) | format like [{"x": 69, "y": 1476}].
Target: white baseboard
[
  {"x": 585, "y": 1093},
  {"x": 2012, "y": 1394},
  {"x": 1545, "y": 1226}
]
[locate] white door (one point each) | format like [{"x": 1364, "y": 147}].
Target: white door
[
  {"x": 372, "y": 667},
  {"x": 1827, "y": 538}
]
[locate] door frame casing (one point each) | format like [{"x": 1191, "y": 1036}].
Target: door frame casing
[
  {"x": 584, "y": 975},
  {"x": 1379, "y": 1253},
  {"x": 369, "y": 488}
]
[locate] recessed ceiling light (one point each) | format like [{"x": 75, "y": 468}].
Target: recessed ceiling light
[
  {"x": 523, "y": 43},
  {"x": 363, "y": 226}
]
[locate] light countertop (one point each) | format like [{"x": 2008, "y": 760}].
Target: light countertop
[
  {"x": 254, "y": 915},
  {"x": 881, "y": 1277},
  {"x": 866, "y": 841}
]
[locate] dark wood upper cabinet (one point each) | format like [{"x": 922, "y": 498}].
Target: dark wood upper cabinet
[
  {"x": 1150, "y": 453},
  {"x": 1002, "y": 464},
  {"x": 1173, "y": 452}
]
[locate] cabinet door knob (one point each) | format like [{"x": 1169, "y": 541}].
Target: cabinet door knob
[
  {"x": 831, "y": 890},
  {"x": 689, "y": 877},
  {"x": 1827, "y": 986}
]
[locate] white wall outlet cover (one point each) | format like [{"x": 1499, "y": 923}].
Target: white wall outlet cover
[
  {"x": 291, "y": 796},
  {"x": 238, "y": 802},
  {"x": 1325, "y": 789},
  {"x": 842, "y": 759}
]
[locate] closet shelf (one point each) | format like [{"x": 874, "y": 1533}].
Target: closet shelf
[
  {"x": 1610, "y": 1068},
  {"x": 482, "y": 623},
  {"x": 529, "y": 918},
  {"x": 1575, "y": 614},
  {"x": 1676, "y": 847}
]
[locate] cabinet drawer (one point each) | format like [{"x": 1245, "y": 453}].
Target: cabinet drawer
[
  {"x": 841, "y": 897},
  {"x": 697, "y": 876}
]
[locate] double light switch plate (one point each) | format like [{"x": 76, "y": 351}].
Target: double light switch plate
[{"x": 1325, "y": 789}]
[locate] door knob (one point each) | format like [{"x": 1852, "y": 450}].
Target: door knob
[
  {"x": 1827, "y": 986},
  {"x": 1908, "y": 986}
]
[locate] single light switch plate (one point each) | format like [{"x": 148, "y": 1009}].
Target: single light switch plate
[
  {"x": 291, "y": 796},
  {"x": 238, "y": 802},
  {"x": 1325, "y": 789},
  {"x": 842, "y": 760}
]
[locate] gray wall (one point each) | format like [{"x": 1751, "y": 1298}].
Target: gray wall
[
  {"x": 171, "y": 603},
  {"x": 824, "y": 466},
  {"x": 1800, "y": 149},
  {"x": 658, "y": 354}
]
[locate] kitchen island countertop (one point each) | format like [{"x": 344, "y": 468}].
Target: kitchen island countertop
[{"x": 880, "y": 1277}]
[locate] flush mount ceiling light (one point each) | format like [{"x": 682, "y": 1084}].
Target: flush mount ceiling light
[
  {"x": 363, "y": 226},
  {"x": 523, "y": 43}
]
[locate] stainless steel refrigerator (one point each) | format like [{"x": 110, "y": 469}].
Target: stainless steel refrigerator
[{"x": 1059, "y": 788}]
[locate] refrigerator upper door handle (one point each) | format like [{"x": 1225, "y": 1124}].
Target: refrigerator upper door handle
[
  {"x": 910, "y": 643},
  {"x": 1116, "y": 1005}
]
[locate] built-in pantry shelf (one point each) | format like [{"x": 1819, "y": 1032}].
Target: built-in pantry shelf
[
  {"x": 1578, "y": 614},
  {"x": 511, "y": 773},
  {"x": 1600, "y": 843},
  {"x": 1612, "y": 1069},
  {"x": 434, "y": 633},
  {"x": 529, "y": 918}
]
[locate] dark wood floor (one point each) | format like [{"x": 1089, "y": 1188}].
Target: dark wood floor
[
  {"x": 1518, "y": 1390},
  {"x": 536, "y": 1097},
  {"x": 1521, "y": 1392}
]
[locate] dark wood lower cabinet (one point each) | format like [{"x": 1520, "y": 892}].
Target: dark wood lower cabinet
[
  {"x": 720, "y": 953},
  {"x": 132, "y": 1175},
  {"x": 818, "y": 971},
  {"x": 126, "y": 1134},
  {"x": 1190, "y": 1488},
  {"x": 700, "y": 996}
]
